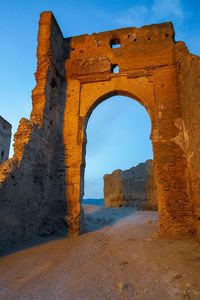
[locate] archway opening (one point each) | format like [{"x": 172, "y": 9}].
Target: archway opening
[{"x": 118, "y": 138}]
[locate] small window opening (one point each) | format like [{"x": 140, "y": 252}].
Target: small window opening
[
  {"x": 2, "y": 154},
  {"x": 115, "y": 69},
  {"x": 115, "y": 43},
  {"x": 167, "y": 35},
  {"x": 135, "y": 40},
  {"x": 149, "y": 38}
]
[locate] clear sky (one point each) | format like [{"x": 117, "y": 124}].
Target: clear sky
[
  {"x": 118, "y": 137},
  {"x": 18, "y": 32}
]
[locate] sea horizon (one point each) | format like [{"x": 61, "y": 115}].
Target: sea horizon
[{"x": 94, "y": 201}]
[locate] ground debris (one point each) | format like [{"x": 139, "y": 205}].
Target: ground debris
[{"x": 125, "y": 287}]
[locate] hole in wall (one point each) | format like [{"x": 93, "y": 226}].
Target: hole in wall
[
  {"x": 149, "y": 38},
  {"x": 2, "y": 154},
  {"x": 167, "y": 35},
  {"x": 115, "y": 69},
  {"x": 115, "y": 43},
  {"x": 134, "y": 40},
  {"x": 72, "y": 49}
]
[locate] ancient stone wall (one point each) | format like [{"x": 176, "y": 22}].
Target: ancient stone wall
[
  {"x": 5, "y": 138},
  {"x": 134, "y": 187},
  {"x": 32, "y": 183},
  {"x": 188, "y": 69},
  {"x": 42, "y": 186},
  {"x": 147, "y": 60}
]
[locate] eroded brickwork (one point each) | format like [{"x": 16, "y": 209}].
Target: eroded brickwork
[
  {"x": 32, "y": 183},
  {"x": 188, "y": 70},
  {"x": 43, "y": 184}
]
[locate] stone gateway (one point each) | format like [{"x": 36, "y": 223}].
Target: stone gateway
[{"x": 42, "y": 186}]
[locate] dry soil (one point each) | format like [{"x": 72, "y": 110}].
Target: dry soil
[{"x": 119, "y": 257}]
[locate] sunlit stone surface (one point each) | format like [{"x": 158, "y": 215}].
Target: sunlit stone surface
[{"x": 134, "y": 187}]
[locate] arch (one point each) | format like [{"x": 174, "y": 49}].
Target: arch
[
  {"x": 128, "y": 121},
  {"x": 90, "y": 109},
  {"x": 148, "y": 76},
  {"x": 108, "y": 95},
  {"x": 169, "y": 159}
]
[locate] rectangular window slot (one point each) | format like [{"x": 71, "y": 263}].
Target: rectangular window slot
[{"x": 115, "y": 69}]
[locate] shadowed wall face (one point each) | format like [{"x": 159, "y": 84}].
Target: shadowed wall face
[
  {"x": 5, "y": 137},
  {"x": 43, "y": 184},
  {"x": 32, "y": 183}
]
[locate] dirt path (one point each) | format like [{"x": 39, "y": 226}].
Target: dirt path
[{"x": 118, "y": 258}]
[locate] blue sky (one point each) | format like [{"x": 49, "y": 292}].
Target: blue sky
[
  {"x": 118, "y": 134},
  {"x": 18, "y": 31}
]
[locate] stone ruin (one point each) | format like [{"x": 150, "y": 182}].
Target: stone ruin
[
  {"x": 134, "y": 187},
  {"x": 5, "y": 138},
  {"x": 42, "y": 186}
]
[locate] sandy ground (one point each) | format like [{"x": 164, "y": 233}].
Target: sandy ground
[{"x": 118, "y": 258}]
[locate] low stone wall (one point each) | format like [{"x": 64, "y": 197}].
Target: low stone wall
[
  {"x": 134, "y": 187},
  {"x": 5, "y": 137}
]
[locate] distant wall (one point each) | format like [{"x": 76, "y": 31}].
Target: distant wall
[
  {"x": 5, "y": 138},
  {"x": 134, "y": 187}
]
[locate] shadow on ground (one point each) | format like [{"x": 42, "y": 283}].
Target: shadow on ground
[
  {"x": 97, "y": 217},
  {"x": 30, "y": 244}
]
